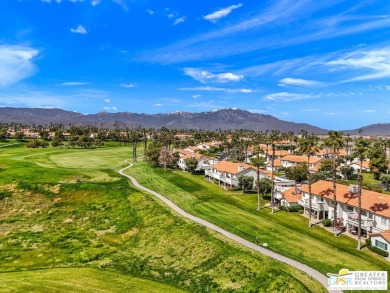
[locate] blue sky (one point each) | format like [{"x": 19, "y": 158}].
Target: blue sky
[{"x": 326, "y": 63}]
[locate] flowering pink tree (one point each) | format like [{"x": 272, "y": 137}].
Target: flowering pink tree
[{"x": 165, "y": 158}]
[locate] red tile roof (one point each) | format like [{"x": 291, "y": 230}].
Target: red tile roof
[
  {"x": 374, "y": 202},
  {"x": 385, "y": 235},
  {"x": 230, "y": 167},
  {"x": 290, "y": 196},
  {"x": 301, "y": 159}
]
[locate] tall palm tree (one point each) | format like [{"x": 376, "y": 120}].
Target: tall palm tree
[
  {"x": 335, "y": 142},
  {"x": 258, "y": 162},
  {"x": 308, "y": 145},
  {"x": 273, "y": 138},
  {"x": 347, "y": 139},
  {"x": 360, "y": 152}
]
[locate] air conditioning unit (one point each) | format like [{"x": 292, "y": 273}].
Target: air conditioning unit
[{"x": 353, "y": 189}]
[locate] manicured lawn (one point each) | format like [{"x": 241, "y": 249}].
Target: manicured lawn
[
  {"x": 70, "y": 208},
  {"x": 78, "y": 280},
  {"x": 285, "y": 233}
]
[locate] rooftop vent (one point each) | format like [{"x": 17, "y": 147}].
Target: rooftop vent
[{"x": 353, "y": 189}]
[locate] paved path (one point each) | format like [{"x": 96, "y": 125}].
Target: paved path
[{"x": 311, "y": 272}]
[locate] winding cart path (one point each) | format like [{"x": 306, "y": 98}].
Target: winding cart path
[{"x": 308, "y": 270}]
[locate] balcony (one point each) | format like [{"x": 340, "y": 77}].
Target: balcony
[
  {"x": 230, "y": 181},
  {"x": 317, "y": 206},
  {"x": 366, "y": 222},
  {"x": 211, "y": 174}
]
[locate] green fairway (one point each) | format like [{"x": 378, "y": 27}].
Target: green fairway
[
  {"x": 285, "y": 233},
  {"x": 70, "y": 208},
  {"x": 78, "y": 280}
]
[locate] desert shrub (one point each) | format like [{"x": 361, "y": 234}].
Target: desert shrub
[
  {"x": 326, "y": 222},
  {"x": 5, "y": 193}
]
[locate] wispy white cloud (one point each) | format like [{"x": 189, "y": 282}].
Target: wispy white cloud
[
  {"x": 128, "y": 85},
  {"x": 107, "y": 100},
  {"x": 122, "y": 3},
  {"x": 196, "y": 96},
  {"x": 158, "y": 105},
  {"x": 298, "y": 82},
  {"x": 369, "y": 111},
  {"x": 95, "y": 2},
  {"x": 74, "y": 83},
  {"x": 205, "y": 76},
  {"x": 287, "y": 97},
  {"x": 16, "y": 63},
  {"x": 179, "y": 20},
  {"x": 284, "y": 113},
  {"x": 279, "y": 15},
  {"x": 149, "y": 11},
  {"x": 376, "y": 60},
  {"x": 79, "y": 30},
  {"x": 216, "y": 89},
  {"x": 216, "y": 15}
]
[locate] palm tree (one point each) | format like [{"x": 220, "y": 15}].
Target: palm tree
[
  {"x": 335, "y": 142},
  {"x": 361, "y": 151},
  {"x": 273, "y": 138},
  {"x": 307, "y": 145},
  {"x": 258, "y": 162},
  {"x": 347, "y": 139}
]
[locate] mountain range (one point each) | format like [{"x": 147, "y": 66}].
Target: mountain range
[{"x": 216, "y": 119}]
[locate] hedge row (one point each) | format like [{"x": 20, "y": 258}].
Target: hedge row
[
  {"x": 292, "y": 208},
  {"x": 376, "y": 249}
]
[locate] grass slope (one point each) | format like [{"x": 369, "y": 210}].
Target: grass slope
[
  {"x": 285, "y": 233},
  {"x": 69, "y": 208},
  {"x": 78, "y": 280}
]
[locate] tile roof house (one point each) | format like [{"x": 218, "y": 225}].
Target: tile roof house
[
  {"x": 204, "y": 162},
  {"x": 356, "y": 166},
  {"x": 381, "y": 240},
  {"x": 375, "y": 206},
  {"x": 227, "y": 173},
  {"x": 293, "y": 160}
]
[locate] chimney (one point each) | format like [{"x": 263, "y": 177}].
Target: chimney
[
  {"x": 240, "y": 168},
  {"x": 298, "y": 189}
]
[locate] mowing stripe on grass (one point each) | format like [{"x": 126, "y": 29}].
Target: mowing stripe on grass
[{"x": 311, "y": 272}]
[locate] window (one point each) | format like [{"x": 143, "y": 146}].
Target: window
[
  {"x": 350, "y": 208},
  {"x": 320, "y": 199},
  {"x": 383, "y": 221},
  {"x": 381, "y": 245}
]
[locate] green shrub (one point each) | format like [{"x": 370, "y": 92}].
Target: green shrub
[
  {"x": 5, "y": 193},
  {"x": 293, "y": 209},
  {"x": 327, "y": 222},
  {"x": 378, "y": 251}
]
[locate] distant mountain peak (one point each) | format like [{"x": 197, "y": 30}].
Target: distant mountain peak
[{"x": 226, "y": 118}]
